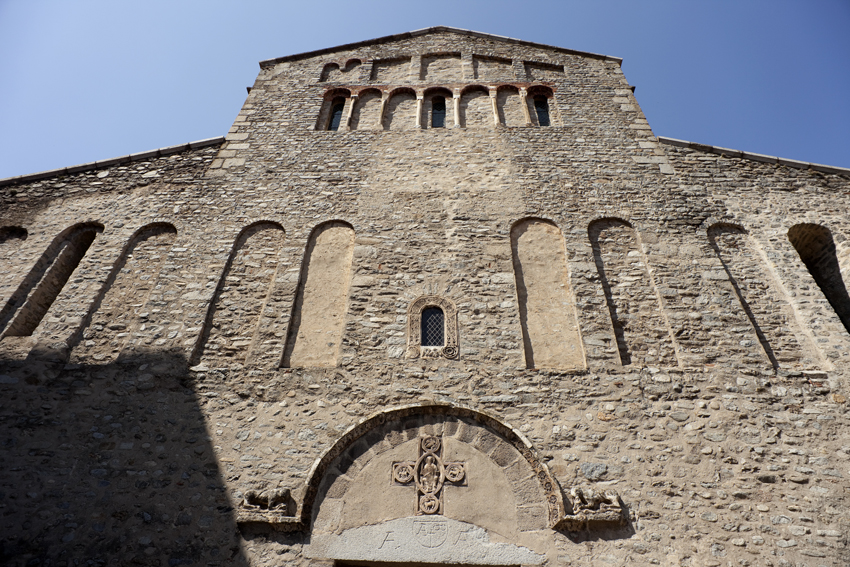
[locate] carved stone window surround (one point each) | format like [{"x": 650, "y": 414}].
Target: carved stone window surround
[{"x": 414, "y": 328}]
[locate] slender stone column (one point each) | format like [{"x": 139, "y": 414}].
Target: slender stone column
[
  {"x": 492, "y": 92},
  {"x": 523, "y": 94},
  {"x": 456, "y": 100},
  {"x": 385, "y": 96},
  {"x": 346, "y": 123},
  {"x": 419, "y": 100}
]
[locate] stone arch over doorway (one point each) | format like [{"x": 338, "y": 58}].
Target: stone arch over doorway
[{"x": 497, "y": 457}]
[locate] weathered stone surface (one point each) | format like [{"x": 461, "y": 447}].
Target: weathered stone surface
[
  {"x": 421, "y": 539},
  {"x": 703, "y": 373}
]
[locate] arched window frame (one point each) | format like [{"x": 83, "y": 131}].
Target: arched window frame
[
  {"x": 428, "y": 107},
  {"x": 434, "y": 114},
  {"x": 415, "y": 349},
  {"x": 336, "y": 102},
  {"x": 331, "y": 97},
  {"x": 534, "y": 93},
  {"x": 543, "y": 118}
]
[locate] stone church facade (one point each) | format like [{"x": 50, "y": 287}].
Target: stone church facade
[{"x": 437, "y": 298}]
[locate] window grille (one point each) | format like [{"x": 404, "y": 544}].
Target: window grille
[
  {"x": 433, "y": 327},
  {"x": 336, "y": 114},
  {"x": 438, "y": 112},
  {"x": 541, "y": 107}
]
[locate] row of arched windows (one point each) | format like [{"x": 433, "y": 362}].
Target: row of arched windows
[
  {"x": 404, "y": 108},
  {"x": 551, "y": 336}
]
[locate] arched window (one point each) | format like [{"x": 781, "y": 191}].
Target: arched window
[
  {"x": 541, "y": 107},
  {"x": 433, "y": 327},
  {"x": 337, "y": 107},
  {"x": 438, "y": 112}
]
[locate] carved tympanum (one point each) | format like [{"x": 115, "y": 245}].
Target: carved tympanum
[
  {"x": 429, "y": 473},
  {"x": 414, "y": 329},
  {"x": 593, "y": 508}
]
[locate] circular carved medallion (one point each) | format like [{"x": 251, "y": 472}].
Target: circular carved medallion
[
  {"x": 455, "y": 472},
  {"x": 429, "y": 504},
  {"x": 402, "y": 473},
  {"x": 431, "y": 444},
  {"x": 450, "y": 352}
]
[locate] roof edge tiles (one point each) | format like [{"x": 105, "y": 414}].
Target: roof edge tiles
[
  {"x": 435, "y": 29},
  {"x": 753, "y": 156},
  {"x": 140, "y": 156}
]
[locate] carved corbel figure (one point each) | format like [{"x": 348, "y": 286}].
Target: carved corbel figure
[
  {"x": 270, "y": 506},
  {"x": 593, "y": 508},
  {"x": 276, "y": 499}
]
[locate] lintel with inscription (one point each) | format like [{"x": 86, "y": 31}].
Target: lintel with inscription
[{"x": 420, "y": 539}]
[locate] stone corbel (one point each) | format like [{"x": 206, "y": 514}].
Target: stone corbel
[
  {"x": 273, "y": 507},
  {"x": 593, "y": 510}
]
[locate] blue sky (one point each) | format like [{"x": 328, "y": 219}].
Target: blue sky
[{"x": 93, "y": 79}]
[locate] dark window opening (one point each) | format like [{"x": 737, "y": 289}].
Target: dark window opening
[
  {"x": 433, "y": 327},
  {"x": 541, "y": 107},
  {"x": 336, "y": 114},
  {"x": 438, "y": 112}
]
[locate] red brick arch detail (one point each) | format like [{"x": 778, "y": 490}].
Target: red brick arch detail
[{"x": 544, "y": 90}]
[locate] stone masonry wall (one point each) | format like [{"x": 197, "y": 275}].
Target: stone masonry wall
[{"x": 721, "y": 457}]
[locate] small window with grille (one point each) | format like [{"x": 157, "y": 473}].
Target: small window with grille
[
  {"x": 336, "y": 113},
  {"x": 541, "y": 107},
  {"x": 438, "y": 112},
  {"x": 433, "y": 327}
]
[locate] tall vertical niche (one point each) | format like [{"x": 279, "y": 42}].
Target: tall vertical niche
[
  {"x": 29, "y": 304},
  {"x": 234, "y": 314},
  {"x": 550, "y": 332},
  {"x": 124, "y": 295},
  {"x": 640, "y": 330},
  {"x": 751, "y": 284},
  {"x": 816, "y": 248},
  {"x": 318, "y": 318}
]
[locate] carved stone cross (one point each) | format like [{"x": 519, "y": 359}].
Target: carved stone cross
[{"x": 429, "y": 473}]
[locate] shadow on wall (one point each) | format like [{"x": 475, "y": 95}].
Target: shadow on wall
[
  {"x": 726, "y": 240},
  {"x": 110, "y": 464},
  {"x": 816, "y": 248},
  {"x": 596, "y": 231},
  {"x": 28, "y": 305}
]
